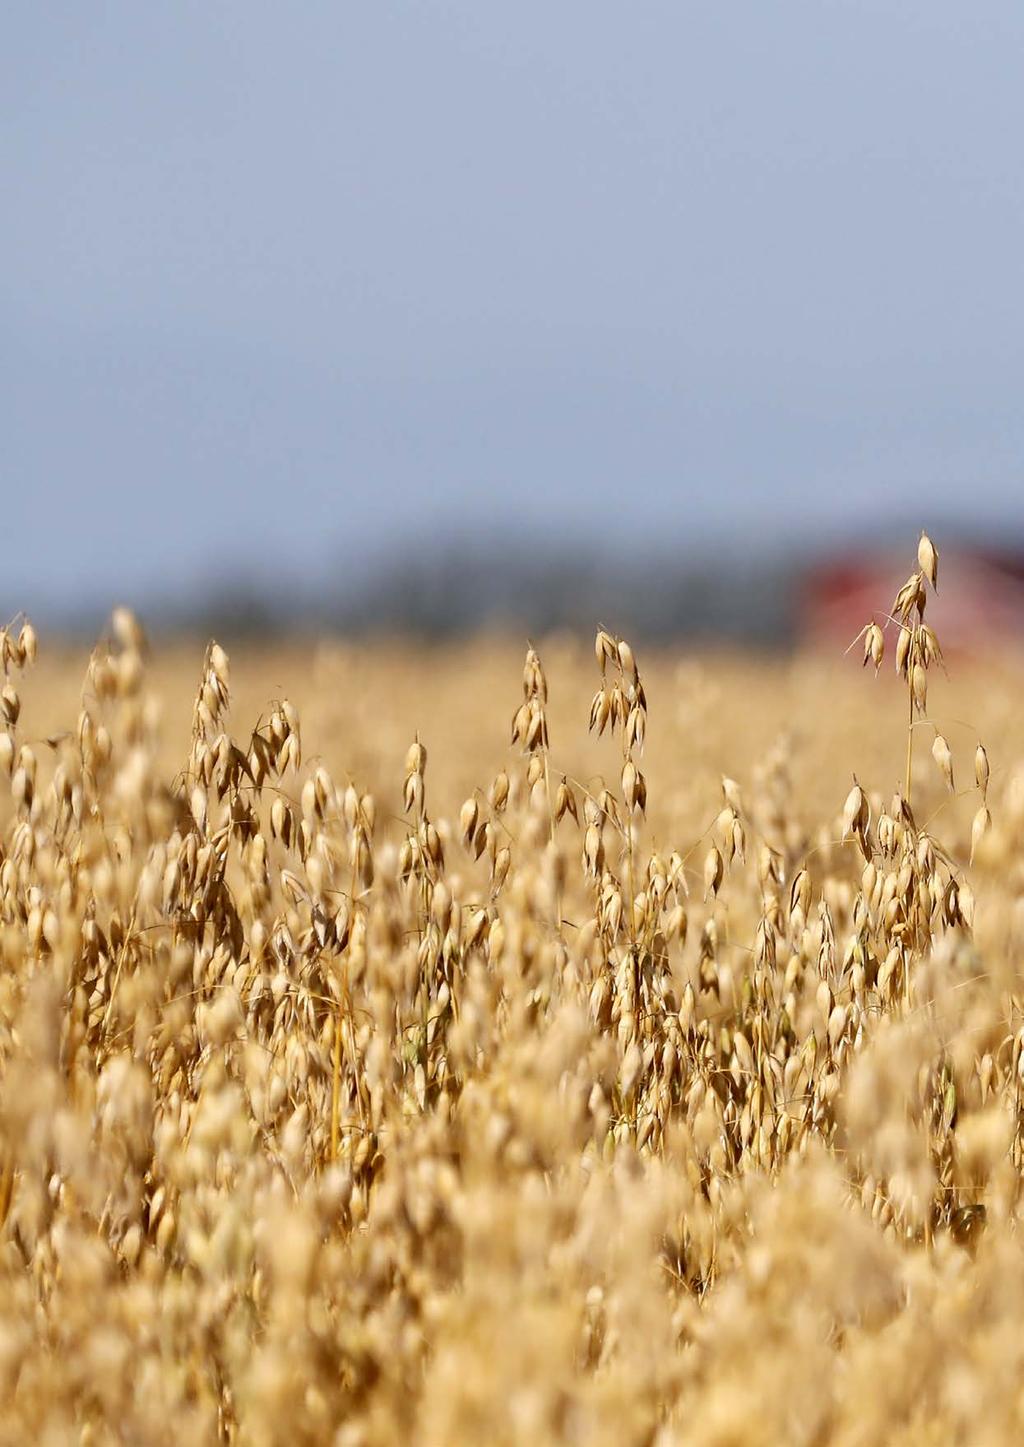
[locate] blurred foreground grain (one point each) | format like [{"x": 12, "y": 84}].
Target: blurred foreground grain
[{"x": 366, "y": 1079}]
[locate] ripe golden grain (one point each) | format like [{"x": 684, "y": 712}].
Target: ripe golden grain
[{"x": 334, "y": 1109}]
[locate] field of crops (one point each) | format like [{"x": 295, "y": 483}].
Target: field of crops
[{"x": 422, "y": 1045}]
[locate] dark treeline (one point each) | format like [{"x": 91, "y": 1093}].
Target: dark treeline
[{"x": 454, "y": 593}]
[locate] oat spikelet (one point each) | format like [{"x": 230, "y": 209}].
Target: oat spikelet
[{"x": 928, "y": 559}]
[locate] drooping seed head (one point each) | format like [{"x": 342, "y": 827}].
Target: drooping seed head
[
  {"x": 944, "y": 760},
  {"x": 928, "y": 559}
]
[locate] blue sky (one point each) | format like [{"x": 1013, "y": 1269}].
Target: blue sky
[{"x": 284, "y": 286}]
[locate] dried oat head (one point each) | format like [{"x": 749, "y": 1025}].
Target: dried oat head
[{"x": 928, "y": 559}]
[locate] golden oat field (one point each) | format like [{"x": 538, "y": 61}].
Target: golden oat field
[{"x": 511, "y": 1044}]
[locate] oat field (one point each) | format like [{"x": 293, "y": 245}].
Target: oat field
[{"x": 429, "y": 1046}]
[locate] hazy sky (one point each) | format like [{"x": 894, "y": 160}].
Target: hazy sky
[{"x": 279, "y": 284}]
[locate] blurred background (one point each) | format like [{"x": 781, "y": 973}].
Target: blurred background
[{"x": 442, "y": 315}]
